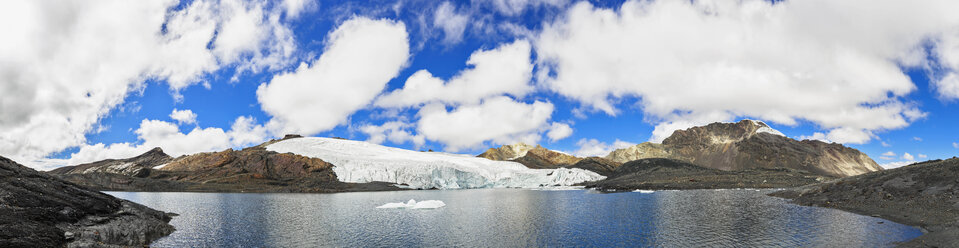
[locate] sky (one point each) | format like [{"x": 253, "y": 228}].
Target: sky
[{"x": 83, "y": 81}]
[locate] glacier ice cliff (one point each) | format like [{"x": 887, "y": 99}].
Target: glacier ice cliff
[{"x": 362, "y": 162}]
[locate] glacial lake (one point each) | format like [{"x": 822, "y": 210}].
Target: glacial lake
[{"x": 513, "y": 218}]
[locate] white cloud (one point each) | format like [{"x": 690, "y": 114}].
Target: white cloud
[
  {"x": 295, "y": 7},
  {"x": 884, "y": 144},
  {"x": 65, "y": 66},
  {"x": 893, "y": 165},
  {"x": 907, "y": 156},
  {"x": 361, "y": 56},
  {"x": 499, "y": 120},
  {"x": 688, "y": 59},
  {"x": 504, "y": 70},
  {"x": 596, "y": 148},
  {"x": 396, "y": 132},
  {"x": 515, "y": 7},
  {"x": 916, "y": 138},
  {"x": 922, "y": 156},
  {"x": 167, "y": 135},
  {"x": 558, "y": 131},
  {"x": 955, "y": 145},
  {"x": 185, "y": 116},
  {"x": 452, "y": 23}
]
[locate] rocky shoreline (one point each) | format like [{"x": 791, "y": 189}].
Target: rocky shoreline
[
  {"x": 924, "y": 195},
  {"x": 670, "y": 174},
  {"x": 38, "y": 210}
]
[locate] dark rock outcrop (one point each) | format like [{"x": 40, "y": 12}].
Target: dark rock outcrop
[
  {"x": 923, "y": 194},
  {"x": 751, "y": 145},
  {"x": 599, "y": 165},
  {"x": 663, "y": 173},
  {"x": 38, "y": 210},
  {"x": 253, "y": 169}
]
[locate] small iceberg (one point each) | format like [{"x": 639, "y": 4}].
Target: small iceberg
[
  {"x": 644, "y": 191},
  {"x": 413, "y": 204}
]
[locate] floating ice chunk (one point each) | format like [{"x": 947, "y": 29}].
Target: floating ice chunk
[
  {"x": 644, "y": 191},
  {"x": 362, "y": 162},
  {"x": 413, "y": 204},
  {"x": 560, "y": 188}
]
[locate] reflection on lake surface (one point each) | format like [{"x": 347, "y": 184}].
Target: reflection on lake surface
[{"x": 514, "y": 217}]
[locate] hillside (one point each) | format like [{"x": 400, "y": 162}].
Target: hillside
[
  {"x": 751, "y": 144},
  {"x": 923, "y": 194},
  {"x": 38, "y": 210}
]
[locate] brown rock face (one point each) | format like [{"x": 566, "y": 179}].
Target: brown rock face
[
  {"x": 752, "y": 144},
  {"x": 532, "y": 157}
]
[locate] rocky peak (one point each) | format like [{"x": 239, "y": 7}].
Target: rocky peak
[
  {"x": 507, "y": 152},
  {"x": 639, "y": 151},
  {"x": 720, "y": 133},
  {"x": 749, "y": 144}
]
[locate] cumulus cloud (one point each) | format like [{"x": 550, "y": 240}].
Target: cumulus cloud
[
  {"x": 596, "y": 148},
  {"x": 908, "y": 157},
  {"x": 922, "y": 156},
  {"x": 690, "y": 61},
  {"x": 955, "y": 145},
  {"x": 185, "y": 116},
  {"x": 558, "y": 131},
  {"x": 295, "y": 7},
  {"x": 499, "y": 120},
  {"x": 360, "y": 57},
  {"x": 888, "y": 156},
  {"x": 504, "y": 70},
  {"x": 451, "y": 22},
  {"x": 67, "y": 65},
  {"x": 397, "y": 132},
  {"x": 916, "y": 138},
  {"x": 168, "y": 136}
]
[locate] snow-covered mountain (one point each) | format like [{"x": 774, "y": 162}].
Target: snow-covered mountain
[{"x": 361, "y": 162}]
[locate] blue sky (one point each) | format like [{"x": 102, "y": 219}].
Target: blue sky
[{"x": 615, "y": 73}]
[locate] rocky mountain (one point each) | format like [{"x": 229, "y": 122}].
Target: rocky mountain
[
  {"x": 38, "y": 210},
  {"x": 533, "y": 157},
  {"x": 751, "y": 144},
  {"x": 923, "y": 194},
  {"x": 138, "y": 166},
  {"x": 253, "y": 169}
]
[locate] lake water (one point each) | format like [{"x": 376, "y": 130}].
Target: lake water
[{"x": 514, "y": 217}]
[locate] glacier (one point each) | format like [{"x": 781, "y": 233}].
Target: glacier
[
  {"x": 413, "y": 204},
  {"x": 363, "y": 162}
]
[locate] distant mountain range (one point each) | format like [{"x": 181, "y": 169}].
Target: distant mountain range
[
  {"x": 744, "y": 145},
  {"x": 336, "y": 165}
]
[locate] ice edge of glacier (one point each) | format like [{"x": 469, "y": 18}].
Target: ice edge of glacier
[{"x": 362, "y": 162}]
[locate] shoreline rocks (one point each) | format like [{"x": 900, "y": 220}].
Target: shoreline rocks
[
  {"x": 38, "y": 210},
  {"x": 923, "y": 194}
]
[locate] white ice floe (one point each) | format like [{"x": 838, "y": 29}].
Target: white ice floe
[
  {"x": 560, "y": 188},
  {"x": 644, "y": 191},
  {"x": 413, "y": 204},
  {"x": 362, "y": 162}
]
